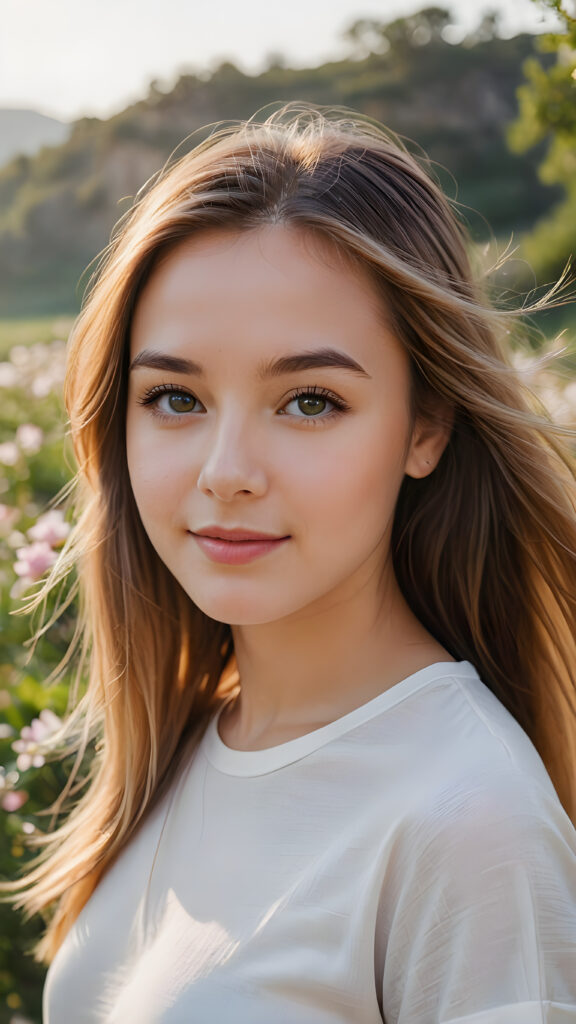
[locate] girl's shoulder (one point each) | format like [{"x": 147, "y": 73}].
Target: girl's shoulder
[
  {"x": 467, "y": 779},
  {"x": 443, "y": 731},
  {"x": 474, "y": 742}
]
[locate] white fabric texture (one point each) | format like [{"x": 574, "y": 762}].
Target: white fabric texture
[{"x": 409, "y": 862}]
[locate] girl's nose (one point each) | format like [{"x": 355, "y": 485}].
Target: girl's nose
[{"x": 231, "y": 464}]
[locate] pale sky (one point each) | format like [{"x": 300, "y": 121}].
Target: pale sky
[{"x": 68, "y": 58}]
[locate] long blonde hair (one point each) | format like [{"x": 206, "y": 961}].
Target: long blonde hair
[{"x": 484, "y": 549}]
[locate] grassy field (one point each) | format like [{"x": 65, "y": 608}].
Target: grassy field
[{"x": 29, "y": 332}]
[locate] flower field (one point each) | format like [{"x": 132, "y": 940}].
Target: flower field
[{"x": 36, "y": 464}]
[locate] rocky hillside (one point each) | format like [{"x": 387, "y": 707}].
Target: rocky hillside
[{"x": 57, "y": 208}]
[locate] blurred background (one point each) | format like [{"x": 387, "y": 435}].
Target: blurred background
[
  {"x": 94, "y": 101},
  {"x": 92, "y": 106}
]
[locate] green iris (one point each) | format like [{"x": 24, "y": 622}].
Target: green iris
[
  {"x": 311, "y": 404},
  {"x": 179, "y": 402}
]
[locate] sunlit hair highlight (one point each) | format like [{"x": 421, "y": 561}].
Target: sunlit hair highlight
[{"x": 484, "y": 548}]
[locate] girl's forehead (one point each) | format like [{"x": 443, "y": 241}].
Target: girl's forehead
[
  {"x": 274, "y": 246},
  {"x": 258, "y": 295},
  {"x": 220, "y": 278}
]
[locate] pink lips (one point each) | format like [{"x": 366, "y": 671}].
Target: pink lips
[{"x": 235, "y": 547}]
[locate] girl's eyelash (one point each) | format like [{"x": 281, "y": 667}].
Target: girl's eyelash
[
  {"x": 158, "y": 390},
  {"x": 151, "y": 396},
  {"x": 339, "y": 404}
]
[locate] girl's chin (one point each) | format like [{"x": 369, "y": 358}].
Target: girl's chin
[
  {"x": 236, "y": 613},
  {"x": 240, "y": 620},
  {"x": 257, "y": 603}
]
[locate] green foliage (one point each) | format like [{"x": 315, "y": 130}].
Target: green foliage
[
  {"x": 368, "y": 35},
  {"x": 547, "y": 114}
]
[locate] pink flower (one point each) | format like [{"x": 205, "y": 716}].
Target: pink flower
[
  {"x": 20, "y": 588},
  {"x": 34, "y": 560},
  {"x": 9, "y": 377},
  {"x": 8, "y": 779},
  {"x": 43, "y": 726},
  {"x": 24, "y": 761},
  {"x": 30, "y": 438},
  {"x": 13, "y": 801},
  {"x": 9, "y": 453},
  {"x": 50, "y": 528},
  {"x": 42, "y": 385},
  {"x": 34, "y": 740},
  {"x": 8, "y": 516}
]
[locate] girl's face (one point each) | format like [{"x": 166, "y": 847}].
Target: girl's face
[{"x": 267, "y": 395}]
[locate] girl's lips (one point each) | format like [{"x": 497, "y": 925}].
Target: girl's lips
[
  {"x": 237, "y": 533},
  {"x": 237, "y": 552}
]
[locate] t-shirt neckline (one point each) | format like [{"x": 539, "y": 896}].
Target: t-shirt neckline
[{"x": 259, "y": 762}]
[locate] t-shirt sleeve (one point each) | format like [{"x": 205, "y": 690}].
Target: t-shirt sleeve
[{"x": 477, "y": 921}]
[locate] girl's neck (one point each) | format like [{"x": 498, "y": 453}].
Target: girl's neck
[{"x": 299, "y": 674}]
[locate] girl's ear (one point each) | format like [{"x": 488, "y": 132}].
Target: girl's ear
[{"x": 429, "y": 439}]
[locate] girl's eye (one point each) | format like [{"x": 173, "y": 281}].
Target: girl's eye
[
  {"x": 314, "y": 403},
  {"x": 178, "y": 402},
  {"x": 170, "y": 401}
]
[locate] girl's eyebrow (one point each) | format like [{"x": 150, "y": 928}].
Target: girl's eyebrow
[{"x": 314, "y": 359}]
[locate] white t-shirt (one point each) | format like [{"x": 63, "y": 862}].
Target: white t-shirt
[{"x": 410, "y": 862}]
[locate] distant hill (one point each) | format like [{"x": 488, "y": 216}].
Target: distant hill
[
  {"x": 25, "y": 131},
  {"x": 57, "y": 208}
]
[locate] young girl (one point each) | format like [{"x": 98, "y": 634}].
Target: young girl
[{"x": 327, "y": 550}]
